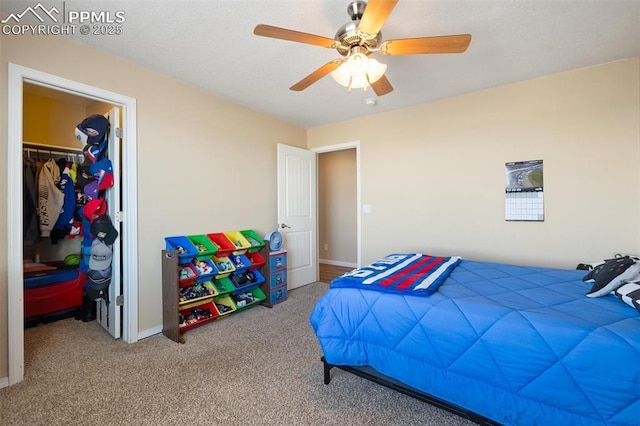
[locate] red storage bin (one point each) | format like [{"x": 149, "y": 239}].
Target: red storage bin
[
  {"x": 49, "y": 298},
  {"x": 223, "y": 243}
]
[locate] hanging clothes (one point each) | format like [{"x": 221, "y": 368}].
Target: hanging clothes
[
  {"x": 65, "y": 219},
  {"x": 50, "y": 197},
  {"x": 30, "y": 223}
]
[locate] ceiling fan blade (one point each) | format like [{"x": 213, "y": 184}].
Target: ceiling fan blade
[
  {"x": 297, "y": 36},
  {"x": 316, "y": 75},
  {"x": 375, "y": 15},
  {"x": 382, "y": 86},
  {"x": 412, "y": 46}
]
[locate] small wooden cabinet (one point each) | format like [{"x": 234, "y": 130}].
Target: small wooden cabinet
[{"x": 275, "y": 273}]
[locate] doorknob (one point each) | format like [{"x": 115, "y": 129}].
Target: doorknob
[{"x": 284, "y": 225}]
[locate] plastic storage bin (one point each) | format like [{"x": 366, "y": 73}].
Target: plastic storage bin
[
  {"x": 224, "y": 304},
  {"x": 244, "y": 285},
  {"x": 204, "y": 246},
  {"x": 223, "y": 285},
  {"x": 224, "y": 266},
  {"x": 240, "y": 262},
  {"x": 185, "y": 248},
  {"x": 186, "y": 275},
  {"x": 196, "y": 293},
  {"x": 52, "y": 292},
  {"x": 223, "y": 244},
  {"x": 248, "y": 298},
  {"x": 256, "y": 259},
  {"x": 198, "y": 315},
  {"x": 240, "y": 243},
  {"x": 205, "y": 269},
  {"x": 255, "y": 241}
]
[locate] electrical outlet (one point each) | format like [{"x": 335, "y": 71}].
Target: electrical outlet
[{"x": 326, "y": 246}]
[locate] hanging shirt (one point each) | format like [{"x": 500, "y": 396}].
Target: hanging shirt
[
  {"x": 65, "y": 219},
  {"x": 30, "y": 223},
  {"x": 50, "y": 197}
]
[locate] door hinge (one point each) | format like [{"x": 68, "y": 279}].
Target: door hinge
[
  {"x": 120, "y": 300},
  {"x": 120, "y": 216},
  {"x": 119, "y": 132}
]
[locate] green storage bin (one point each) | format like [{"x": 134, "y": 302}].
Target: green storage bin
[
  {"x": 254, "y": 239},
  {"x": 204, "y": 246}
]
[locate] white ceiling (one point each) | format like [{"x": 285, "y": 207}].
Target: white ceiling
[{"x": 211, "y": 44}]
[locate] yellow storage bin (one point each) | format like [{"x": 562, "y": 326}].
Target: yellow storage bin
[
  {"x": 224, "y": 304},
  {"x": 239, "y": 241}
]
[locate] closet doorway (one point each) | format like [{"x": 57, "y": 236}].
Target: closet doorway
[
  {"x": 25, "y": 85},
  {"x": 339, "y": 220}
]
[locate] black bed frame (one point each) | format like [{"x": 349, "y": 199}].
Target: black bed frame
[{"x": 372, "y": 375}]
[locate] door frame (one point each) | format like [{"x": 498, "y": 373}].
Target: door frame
[
  {"x": 340, "y": 147},
  {"x": 17, "y": 75}
]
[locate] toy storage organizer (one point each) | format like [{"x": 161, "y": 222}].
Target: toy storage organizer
[
  {"x": 275, "y": 284},
  {"x": 209, "y": 276}
]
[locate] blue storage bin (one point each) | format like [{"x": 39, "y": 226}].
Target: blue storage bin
[
  {"x": 240, "y": 262},
  {"x": 258, "y": 279},
  {"x": 185, "y": 248},
  {"x": 205, "y": 269}
]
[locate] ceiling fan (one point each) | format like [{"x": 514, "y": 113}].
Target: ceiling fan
[{"x": 357, "y": 40}]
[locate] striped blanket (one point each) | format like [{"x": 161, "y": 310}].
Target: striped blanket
[{"x": 415, "y": 274}]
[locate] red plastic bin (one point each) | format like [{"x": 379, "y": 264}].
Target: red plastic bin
[
  {"x": 224, "y": 244},
  {"x": 59, "y": 296}
]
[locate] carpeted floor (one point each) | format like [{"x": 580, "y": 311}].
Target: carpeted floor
[{"x": 257, "y": 367}]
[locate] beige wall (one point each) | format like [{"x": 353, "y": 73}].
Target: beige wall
[
  {"x": 434, "y": 173},
  {"x": 204, "y": 164},
  {"x": 337, "y": 207}
]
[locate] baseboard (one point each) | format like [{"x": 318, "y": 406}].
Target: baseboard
[
  {"x": 149, "y": 332},
  {"x": 338, "y": 263},
  {"x": 4, "y": 382}
]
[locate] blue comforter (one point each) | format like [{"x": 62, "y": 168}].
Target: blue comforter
[{"x": 519, "y": 345}]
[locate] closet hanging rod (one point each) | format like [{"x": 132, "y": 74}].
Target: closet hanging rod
[
  {"x": 37, "y": 152},
  {"x": 46, "y": 148}
]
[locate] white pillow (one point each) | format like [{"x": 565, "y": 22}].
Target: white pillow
[{"x": 629, "y": 293}]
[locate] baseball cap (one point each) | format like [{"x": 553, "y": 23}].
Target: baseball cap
[
  {"x": 102, "y": 228},
  {"x": 97, "y": 283},
  {"x": 84, "y": 174},
  {"x": 102, "y": 170},
  {"x": 94, "y": 208},
  {"x": 99, "y": 279},
  {"x": 92, "y": 129},
  {"x": 101, "y": 254},
  {"x": 91, "y": 189},
  {"x": 94, "y": 151}
]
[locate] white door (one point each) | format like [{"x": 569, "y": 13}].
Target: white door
[
  {"x": 110, "y": 316},
  {"x": 297, "y": 217}
]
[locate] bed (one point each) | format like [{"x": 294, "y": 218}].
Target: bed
[{"x": 497, "y": 343}]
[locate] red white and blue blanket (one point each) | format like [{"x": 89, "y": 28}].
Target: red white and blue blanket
[{"x": 415, "y": 274}]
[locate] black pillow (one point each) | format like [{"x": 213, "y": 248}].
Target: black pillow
[{"x": 611, "y": 274}]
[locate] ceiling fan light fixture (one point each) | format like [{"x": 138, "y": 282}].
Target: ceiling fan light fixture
[{"x": 358, "y": 71}]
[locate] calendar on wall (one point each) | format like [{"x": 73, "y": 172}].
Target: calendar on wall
[{"x": 524, "y": 191}]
